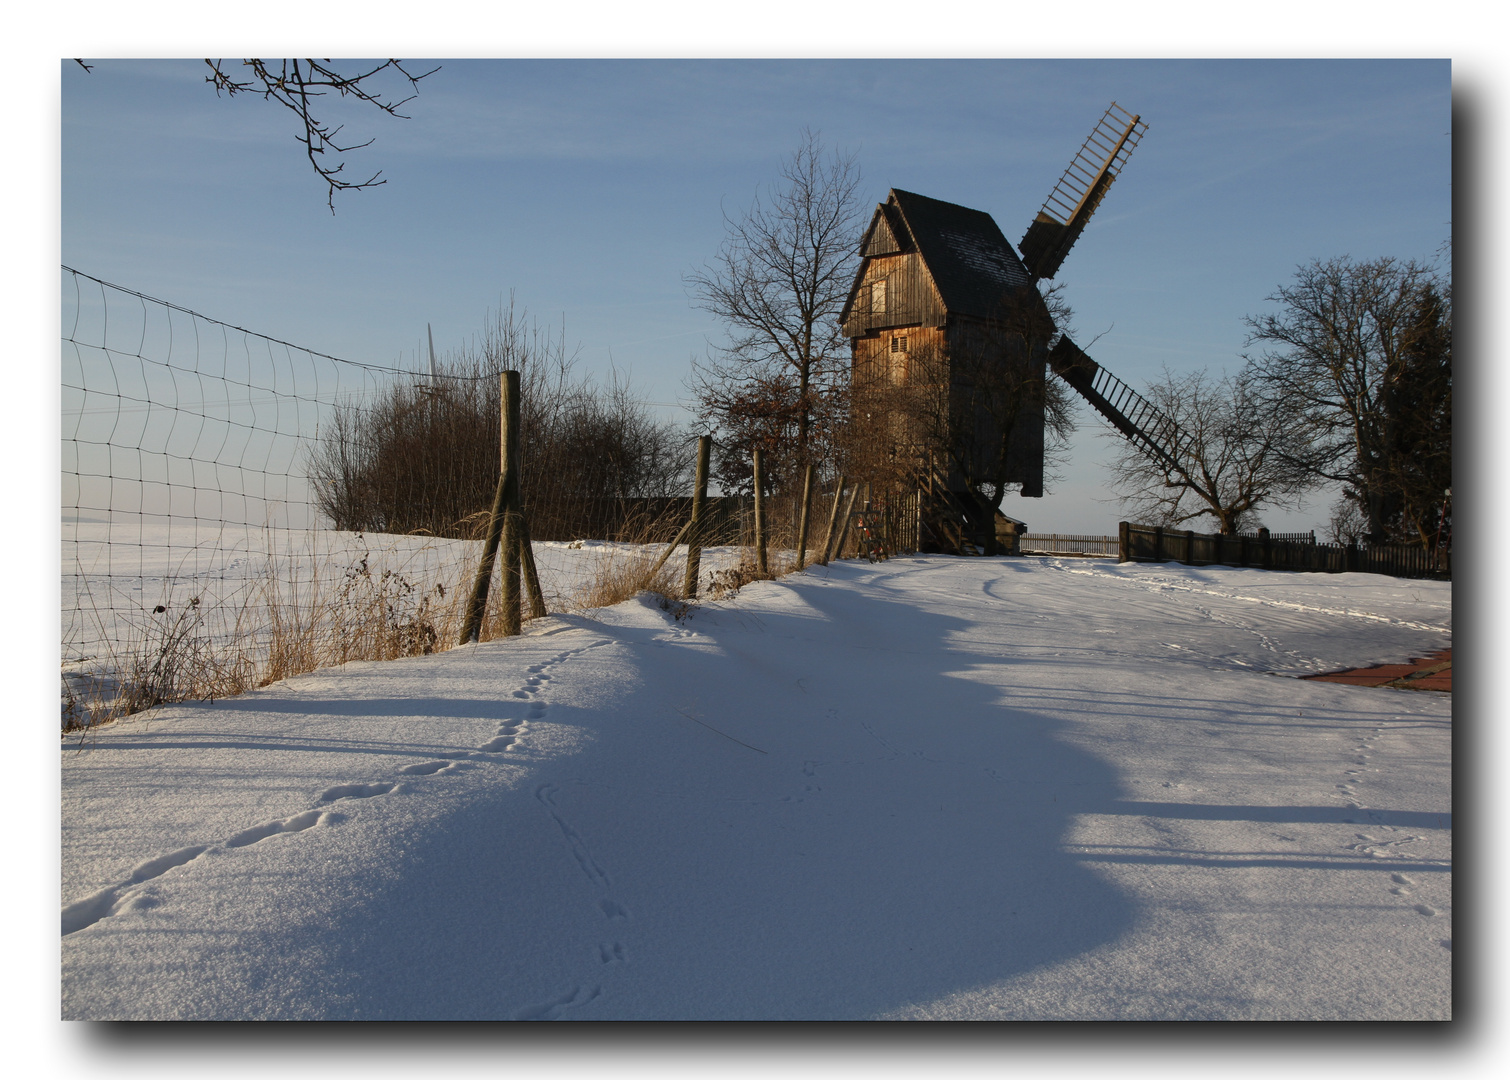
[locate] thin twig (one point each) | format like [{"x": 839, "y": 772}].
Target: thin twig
[{"x": 715, "y": 730}]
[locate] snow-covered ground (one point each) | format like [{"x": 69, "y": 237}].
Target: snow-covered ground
[{"x": 1030, "y": 788}]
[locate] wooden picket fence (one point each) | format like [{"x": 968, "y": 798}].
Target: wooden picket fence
[
  {"x": 1262, "y": 550},
  {"x": 1068, "y": 544}
]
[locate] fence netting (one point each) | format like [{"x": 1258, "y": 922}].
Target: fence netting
[{"x": 237, "y": 508}]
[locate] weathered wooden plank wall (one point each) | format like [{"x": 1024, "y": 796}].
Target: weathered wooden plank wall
[{"x": 911, "y": 299}]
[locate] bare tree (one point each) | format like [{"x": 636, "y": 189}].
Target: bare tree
[
  {"x": 1235, "y": 456},
  {"x": 1362, "y": 351},
  {"x": 780, "y": 281},
  {"x": 295, "y": 83}
]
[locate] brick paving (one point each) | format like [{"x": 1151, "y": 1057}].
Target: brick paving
[{"x": 1433, "y": 672}]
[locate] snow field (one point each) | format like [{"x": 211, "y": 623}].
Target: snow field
[{"x": 928, "y": 788}]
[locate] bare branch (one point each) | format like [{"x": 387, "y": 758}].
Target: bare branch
[{"x": 293, "y": 83}]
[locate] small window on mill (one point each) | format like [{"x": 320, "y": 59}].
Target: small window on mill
[
  {"x": 899, "y": 343},
  {"x": 878, "y": 297}
]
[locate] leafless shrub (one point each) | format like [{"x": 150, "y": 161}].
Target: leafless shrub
[
  {"x": 725, "y": 583},
  {"x": 423, "y": 457}
]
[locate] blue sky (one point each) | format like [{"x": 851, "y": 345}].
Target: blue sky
[{"x": 588, "y": 189}]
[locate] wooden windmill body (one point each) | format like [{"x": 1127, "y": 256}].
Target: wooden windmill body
[{"x": 939, "y": 282}]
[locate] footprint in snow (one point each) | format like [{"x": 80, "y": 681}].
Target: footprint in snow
[
  {"x": 428, "y": 768},
  {"x": 127, "y": 896},
  {"x": 354, "y": 791},
  {"x": 509, "y": 732},
  {"x": 298, "y": 823},
  {"x": 92, "y": 909}
]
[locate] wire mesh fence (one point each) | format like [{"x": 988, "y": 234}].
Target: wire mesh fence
[
  {"x": 237, "y": 508},
  {"x": 192, "y": 561}
]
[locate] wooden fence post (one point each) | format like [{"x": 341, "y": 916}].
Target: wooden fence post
[
  {"x": 1158, "y": 543},
  {"x": 1123, "y": 542},
  {"x": 680, "y": 536},
  {"x": 531, "y": 576},
  {"x": 846, "y": 517},
  {"x": 807, "y": 501},
  {"x": 505, "y": 499},
  {"x": 509, "y": 597},
  {"x": 760, "y": 543},
  {"x": 1189, "y": 542},
  {"x": 694, "y": 541},
  {"x": 833, "y": 519}
]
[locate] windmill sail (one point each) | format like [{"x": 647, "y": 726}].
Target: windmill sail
[
  {"x": 1044, "y": 246},
  {"x": 1079, "y": 191},
  {"x": 1123, "y": 407}
]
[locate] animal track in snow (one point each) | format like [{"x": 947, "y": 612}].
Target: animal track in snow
[
  {"x": 508, "y": 734},
  {"x": 536, "y": 680},
  {"x": 546, "y": 793},
  {"x": 92, "y": 909},
  {"x": 128, "y": 894},
  {"x": 1148, "y": 585},
  {"x": 1376, "y": 848}
]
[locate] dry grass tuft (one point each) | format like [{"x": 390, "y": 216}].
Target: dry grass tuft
[
  {"x": 726, "y": 583},
  {"x": 623, "y": 573}
]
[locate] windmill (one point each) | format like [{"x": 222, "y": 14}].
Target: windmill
[{"x": 930, "y": 299}]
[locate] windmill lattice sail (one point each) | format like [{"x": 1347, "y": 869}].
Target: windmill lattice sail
[
  {"x": 1124, "y": 408},
  {"x": 1044, "y": 246},
  {"x": 1080, "y": 190}
]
